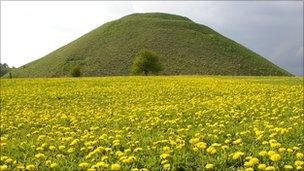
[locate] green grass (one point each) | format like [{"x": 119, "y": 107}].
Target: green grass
[
  {"x": 185, "y": 46},
  {"x": 152, "y": 113}
]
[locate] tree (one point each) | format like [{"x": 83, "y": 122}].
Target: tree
[
  {"x": 76, "y": 72},
  {"x": 146, "y": 62},
  {"x": 4, "y": 68}
]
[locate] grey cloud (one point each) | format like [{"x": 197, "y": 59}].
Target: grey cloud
[{"x": 274, "y": 29}]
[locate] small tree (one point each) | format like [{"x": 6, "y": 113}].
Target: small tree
[
  {"x": 146, "y": 62},
  {"x": 76, "y": 72},
  {"x": 4, "y": 68}
]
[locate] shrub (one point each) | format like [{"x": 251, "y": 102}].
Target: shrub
[
  {"x": 76, "y": 72},
  {"x": 146, "y": 62}
]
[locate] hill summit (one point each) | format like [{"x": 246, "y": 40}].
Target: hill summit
[{"x": 185, "y": 47}]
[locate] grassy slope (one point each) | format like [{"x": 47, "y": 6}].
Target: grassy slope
[{"x": 186, "y": 48}]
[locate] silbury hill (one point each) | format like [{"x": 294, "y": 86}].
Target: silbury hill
[{"x": 185, "y": 48}]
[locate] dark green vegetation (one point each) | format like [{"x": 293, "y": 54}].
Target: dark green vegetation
[
  {"x": 4, "y": 69},
  {"x": 146, "y": 62},
  {"x": 76, "y": 72},
  {"x": 185, "y": 46}
]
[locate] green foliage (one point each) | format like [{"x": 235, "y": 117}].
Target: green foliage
[
  {"x": 186, "y": 48},
  {"x": 76, "y": 72},
  {"x": 4, "y": 68},
  {"x": 146, "y": 62}
]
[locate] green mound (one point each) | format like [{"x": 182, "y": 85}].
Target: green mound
[{"x": 185, "y": 48}]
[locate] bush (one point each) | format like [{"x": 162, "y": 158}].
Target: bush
[
  {"x": 146, "y": 62},
  {"x": 76, "y": 72},
  {"x": 4, "y": 68}
]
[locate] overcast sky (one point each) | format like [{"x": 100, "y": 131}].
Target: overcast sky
[{"x": 274, "y": 29}]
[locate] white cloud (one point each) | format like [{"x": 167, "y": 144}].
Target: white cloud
[{"x": 31, "y": 29}]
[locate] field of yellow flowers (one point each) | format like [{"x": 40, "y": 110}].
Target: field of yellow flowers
[{"x": 152, "y": 123}]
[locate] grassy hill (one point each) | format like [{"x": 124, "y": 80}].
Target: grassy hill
[{"x": 185, "y": 48}]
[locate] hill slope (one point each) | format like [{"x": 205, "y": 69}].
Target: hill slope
[{"x": 186, "y": 48}]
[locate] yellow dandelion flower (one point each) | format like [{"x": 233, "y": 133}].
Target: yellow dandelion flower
[
  {"x": 215, "y": 145},
  {"x": 262, "y": 166},
  {"x": 138, "y": 149},
  {"x": 209, "y": 166},
  {"x": 52, "y": 147},
  {"x": 115, "y": 166},
  {"x": 116, "y": 142},
  {"x": 61, "y": 147},
  {"x": 20, "y": 167},
  {"x": 299, "y": 156},
  {"x": 4, "y": 167},
  {"x": 270, "y": 168},
  {"x": 102, "y": 164},
  {"x": 40, "y": 156},
  {"x": 144, "y": 169},
  {"x": 71, "y": 150},
  {"x": 281, "y": 150},
  {"x": 54, "y": 165},
  {"x": 263, "y": 153},
  {"x": 237, "y": 155},
  {"x": 201, "y": 145},
  {"x": 3, "y": 158},
  {"x": 48, "y": 162},
  {"x": 166, "y": 149},
  {"x": 270, "y": 153},
  {"x": 299, "y": 163},
  {"x": 164, "y": 156},
  {"x": 74, "y": 142},
  {"x": 227, "y": 141},
  {"x": 167, "y": 166},
  {"x": 39, "y": 148},
  {"x": 224, "y": 147},
  {"x": 30, "y": 167},
  {"x": 211, "y": 150},
  {"x": 295, "y": 148},
  {"x": 128, "y": 160},
  {"x": 288, "y": 167},
  {"x": 84, "y": 165},
  {"x": 9, "y": 161},
  {"x": 119, "y": 154},
  {"x": 275, "y": 157},
  {"x": 91, "y": 169},
  {"x": 103, "y": 158},
  {"x": 238, "y": 141},
  {"x": 194, "y": 140},
  {"x": 254, "y": 160},
  {"x": 164, "y": 162},
  {"x": 289, "y": 150},
  {"x": 248, "y": 164}
]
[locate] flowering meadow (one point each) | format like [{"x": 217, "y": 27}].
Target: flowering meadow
[{"x": 152, "y": 123}]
